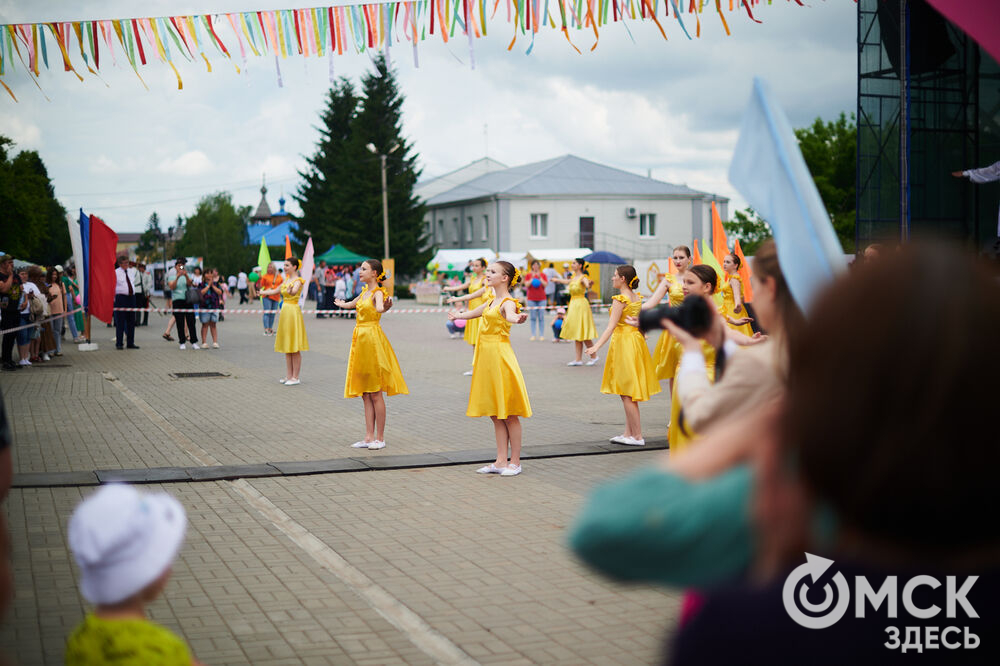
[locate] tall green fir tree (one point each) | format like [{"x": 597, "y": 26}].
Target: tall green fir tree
[
  {"x": 322, "y": 195},
  {"x": 341, "y": 197}
]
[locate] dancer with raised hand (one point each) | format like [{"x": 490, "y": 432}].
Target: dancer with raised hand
[
  {"x": 478, "y": 294},
  {"x": 732, "y": 296},
  {"x": 497, "y": 387},
  {"x": 667, "y": 352},
  {"x": 628, "y": 368},
  {"x": 579, "y": 323},
  {"x": 290, "y": 339},
  {"x": 372, "y": 368}
]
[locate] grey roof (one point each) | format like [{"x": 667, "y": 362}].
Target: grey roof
[{"x": 566, "y": 175}]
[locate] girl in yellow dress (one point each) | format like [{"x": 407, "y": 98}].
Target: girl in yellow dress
[
  {"x": 497, "y": 387},
  {"x": 579, "y": 323},
  {"x": 628, "y": 369},
  {"x": 372, "y": 368},
  {"x": 732, "y": 296},
  {"x": 667, "y": 351},
  {"x": 478, "y": 294},
  {"x": 290, "y": 339}
]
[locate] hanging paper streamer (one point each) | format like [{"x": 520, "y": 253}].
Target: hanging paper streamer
[{"x": 316, "y": 32}]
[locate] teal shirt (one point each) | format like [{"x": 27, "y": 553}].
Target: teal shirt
[
  {"x": 657, "y": 527},
  {"x": 179, "y": 292}
]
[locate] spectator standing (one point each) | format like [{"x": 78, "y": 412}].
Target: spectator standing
[
  {"x": 340, "y": 291},
  {"x": 319, "y": 278},
  {"x": 242, "y": 285},
  {"x": 143, "y": 293},
  {"x": 231, "y": 283},
  {"x": 550, "y": 286},
  {"x": 178, "y": 298},
  {"x": 32, "y": 309},
  {"x": 57, "y": 307},
  {"x": 11, "y": 293},
  {"x": 72, "y": 291},
  {"x": 272, "y": 301},
  {"x": 537, "y": 285},
  {"x": 124, "y": 298},
  {"x": 212, "y": 293}
]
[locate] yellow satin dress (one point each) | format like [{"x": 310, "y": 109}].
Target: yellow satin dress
[
  {"x": 679, "y": 438},
  {"x": 579, "y": 322},
  {"x": 372, "y": 365},
  {"x": 729, "y": 305},
  {"x": 667, "y": 352},
  {"x": 291, "y": 333},
  {"x": 628, "y": 368},
  {"x": 497, "y": 384},
  {"x": 472, "y": 325}
]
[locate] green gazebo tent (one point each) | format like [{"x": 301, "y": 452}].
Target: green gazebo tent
[{"x": 338, "y": 254}]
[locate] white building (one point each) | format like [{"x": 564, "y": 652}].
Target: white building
[{"x": 569, "y": 202}]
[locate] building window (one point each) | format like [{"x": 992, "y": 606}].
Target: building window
[
  {"x": 440, "y": 232},
  {"x": 468, "y": 229},
  {"x": 486, "y": 227},
  {"x": 539, "y": 225},
  {"x": 647, "y": 225},
  {"x": 458, "y": 230}
]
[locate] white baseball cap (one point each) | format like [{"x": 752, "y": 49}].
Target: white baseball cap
[{"x": 123, "y": 540}]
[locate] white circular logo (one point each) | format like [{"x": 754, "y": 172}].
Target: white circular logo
[{"x": 816, "y": 616}]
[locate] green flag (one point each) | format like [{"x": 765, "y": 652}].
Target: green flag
[
  {"x": 709, "y": 259},
  {"x": 264, "y": 256}
]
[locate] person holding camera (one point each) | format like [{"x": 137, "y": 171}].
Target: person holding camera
[
  {"x": 628, "y": 368},
  {"x": 579, "y": 324},
  {"x": 178, "y": 286}
]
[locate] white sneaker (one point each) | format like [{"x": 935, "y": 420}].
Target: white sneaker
[
  {"x": 593, "y": 360},
  {"x": 361, "y": 445},
  {"x": 25, "y": 362},
  {"x": 632, "y": 441},
  {"x": 292, "y": 382},
  {"x": 467, "y": 373},
  {"x": 215, "y": 345},
  {"x": 377, "y": 445},
  {"x": 282, "y": 380},
  {"x": 618, "y": 439},
  {"x": 183, "y": 346},
  {"x": 574, "y": 363},
  {"x": 45, "y": 357},
  {"x": 194, "y": 345},
  {"x": 511, "y": 470}
]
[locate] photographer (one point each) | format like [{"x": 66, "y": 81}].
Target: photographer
[
  {"x": 211, "y": 299},
  {"x": 178, "y": 297}
]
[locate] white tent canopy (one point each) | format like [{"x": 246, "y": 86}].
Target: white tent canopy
[
  {"x": 518, "y": 259},
  {"x": 458, "y": 258},
  {"x": 555, "y": 255}
]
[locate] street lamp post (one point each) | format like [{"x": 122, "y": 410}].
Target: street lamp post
[{"x": 385, "y": 195}]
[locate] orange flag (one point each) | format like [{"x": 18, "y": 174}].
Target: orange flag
[
  {"x": 720, "y": 244},
  {"x": 744, "y": 272},
  {"x": 288, "y": 247},
  {"x": 671, "y": 269},
  {"x": 696, "y": 259}
]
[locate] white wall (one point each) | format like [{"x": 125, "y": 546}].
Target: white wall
[
  {"x": 673, "y": 220},
  {"x": 481, "y": 213}
]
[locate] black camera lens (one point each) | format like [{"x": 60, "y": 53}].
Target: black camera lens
[{"x": 694, "y": 315}]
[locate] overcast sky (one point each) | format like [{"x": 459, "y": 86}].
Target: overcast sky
[{"x": 672, "y": 107}]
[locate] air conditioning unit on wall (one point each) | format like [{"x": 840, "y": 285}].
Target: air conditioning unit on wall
[{"x": 630, "y": 212}]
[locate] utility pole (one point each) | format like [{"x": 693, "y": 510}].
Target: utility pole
[{"x": 385, "y": 195}]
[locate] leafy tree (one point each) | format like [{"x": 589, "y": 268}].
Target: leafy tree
[
  {"x": 748, "y": 226},
  {"x": 830, "y": 152},
  {"x": 33, "y": 223},
  {"x": 342, "y": 196},
  {"x": 216, "y": 233}
]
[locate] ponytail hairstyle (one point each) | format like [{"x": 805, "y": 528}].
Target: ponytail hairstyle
[
  {"x": 376, "y": 266},
  {"x": 706, "y": 274},
  {"x": 507, "y": 268},
  {"x": 295, "y": 261},
  {"x": 735, "y": 258},
  {"x": 627, "y": 273},
  {"x": 583, "y": 264},
  {"x": 685, "y": 249},
  {"x": 482, "y": 262}
]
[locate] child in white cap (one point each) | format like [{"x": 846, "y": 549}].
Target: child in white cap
[{"x": 125, "y": 542}]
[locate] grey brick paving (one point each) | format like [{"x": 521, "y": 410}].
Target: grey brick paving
[{"x": 481, "y": 561}]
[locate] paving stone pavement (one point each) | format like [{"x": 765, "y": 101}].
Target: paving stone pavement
[{"x": 414, "y": 566}]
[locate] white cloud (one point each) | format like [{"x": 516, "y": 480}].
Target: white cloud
[
  {"x": 25, "y": 134},
  {"x": 191, "y": 163}
]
